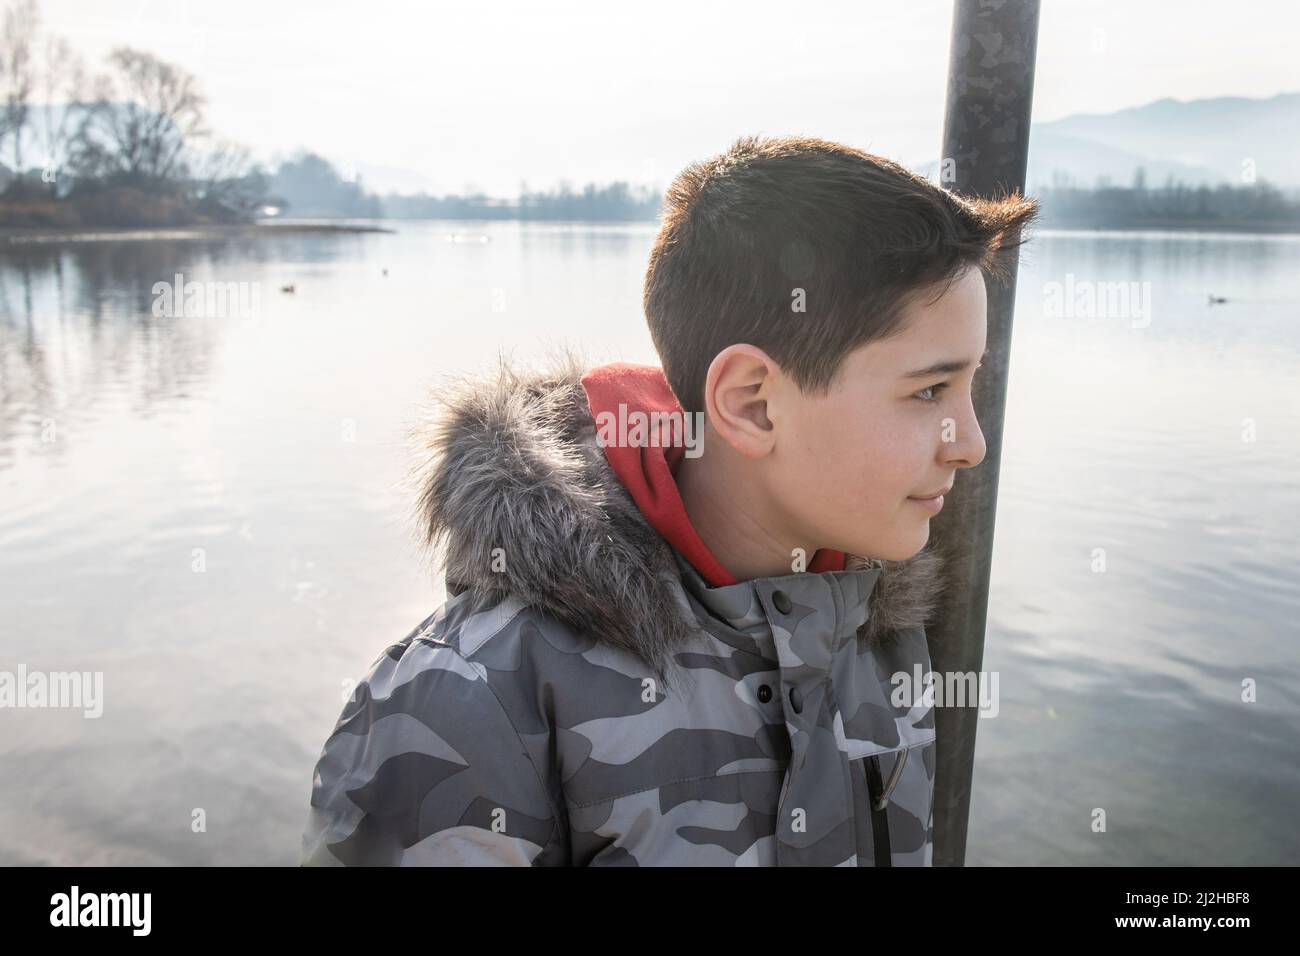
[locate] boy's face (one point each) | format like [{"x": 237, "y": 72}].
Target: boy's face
[{"x": 848, "y": 467}]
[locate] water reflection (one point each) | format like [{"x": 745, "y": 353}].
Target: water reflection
[{"x": 78, "y": 325}]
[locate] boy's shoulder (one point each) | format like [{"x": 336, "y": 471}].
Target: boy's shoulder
[
  {"x": 444, "y": 752},
  {"x": 489, "y": 632},
  {"x": 432, "y": 763}
]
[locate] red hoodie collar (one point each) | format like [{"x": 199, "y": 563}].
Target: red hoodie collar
[{"x": 647, "y": 471}]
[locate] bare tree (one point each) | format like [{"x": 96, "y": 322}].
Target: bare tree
[
  {"x": 143, "y": 118},
  {"x": 222, "y": 162},
  {"x": 17, "y": 73},
  {"x": 63, "y": 82},
  {"x": 225, "y": 177}
]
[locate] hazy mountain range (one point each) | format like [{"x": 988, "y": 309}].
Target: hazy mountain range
[{"x": 1196, "y": 141}]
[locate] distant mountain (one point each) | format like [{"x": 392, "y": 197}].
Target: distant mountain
[
  {"x": 1219, "y": 135},
  {"x": 1058, "y": 159},
  {"x": 1205, "y": 141}
]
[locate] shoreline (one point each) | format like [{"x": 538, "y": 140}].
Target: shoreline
[
  {"x": 1263, "y": 228},
  {"x": 24, "y": 235},
  {"x": 20, "y": 235}
]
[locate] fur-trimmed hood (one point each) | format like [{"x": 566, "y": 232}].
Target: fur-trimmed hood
[{"x": 516, "y": 498}]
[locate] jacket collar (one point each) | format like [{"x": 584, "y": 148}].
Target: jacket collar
[
  {"x": 517, "y": 498},
  {"x": 825, "y": 610}
]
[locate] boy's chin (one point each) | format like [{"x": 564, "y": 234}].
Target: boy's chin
[{"x": 900, "y": 548}]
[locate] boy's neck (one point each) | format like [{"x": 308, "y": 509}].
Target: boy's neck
[{"x": 727, "y": 513}]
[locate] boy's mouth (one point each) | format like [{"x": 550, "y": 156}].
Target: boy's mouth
[
  {"x": 932, "y": 502},
  {"x": 934, "y": 505},
  {"x": 932, "y": 495}
]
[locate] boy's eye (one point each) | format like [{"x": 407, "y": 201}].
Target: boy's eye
[{"x": 933, "y": 389}]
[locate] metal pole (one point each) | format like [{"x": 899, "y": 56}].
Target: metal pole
[{"x": 985, "y": 151}]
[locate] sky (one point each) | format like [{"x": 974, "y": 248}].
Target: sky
[{"x": 489, "y": 95}]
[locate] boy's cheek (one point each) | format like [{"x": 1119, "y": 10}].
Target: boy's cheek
[{"x": 868, "y": 509}]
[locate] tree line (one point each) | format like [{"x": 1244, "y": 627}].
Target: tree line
[{"x": 1252, "y": 204}]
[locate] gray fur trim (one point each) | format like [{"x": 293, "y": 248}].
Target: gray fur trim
[
  {"x": 510, "y": 461},
  {"x": 905, "y": 594}
]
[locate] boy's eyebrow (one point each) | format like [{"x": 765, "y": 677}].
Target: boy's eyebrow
[{"x": 942, "y": 368}]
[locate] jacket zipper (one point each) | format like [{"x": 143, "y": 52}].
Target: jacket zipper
[{"x": 878, "y": 796}]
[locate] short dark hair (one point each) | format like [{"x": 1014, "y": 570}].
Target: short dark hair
[{"x": 859, "y": 234}]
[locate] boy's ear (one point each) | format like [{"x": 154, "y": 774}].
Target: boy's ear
[{"x": 738, "y": 389}]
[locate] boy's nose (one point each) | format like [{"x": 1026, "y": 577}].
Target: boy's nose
[{"x": 969, "y": 448}]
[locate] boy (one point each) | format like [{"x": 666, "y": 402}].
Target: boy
[{"x": 638, "y": 662}]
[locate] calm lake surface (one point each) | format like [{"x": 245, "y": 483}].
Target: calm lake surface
[{"x": 211, "y": 512}]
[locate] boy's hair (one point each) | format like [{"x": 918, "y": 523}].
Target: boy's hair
[{"x": 861, "y": 236}]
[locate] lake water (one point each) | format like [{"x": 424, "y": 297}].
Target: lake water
[{"x": 212, "y": 513}]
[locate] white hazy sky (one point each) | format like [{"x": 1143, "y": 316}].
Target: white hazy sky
[{"x": 490, "y": 94}]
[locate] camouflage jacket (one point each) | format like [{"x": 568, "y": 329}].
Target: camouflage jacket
[{"x": 583, "y": 697}]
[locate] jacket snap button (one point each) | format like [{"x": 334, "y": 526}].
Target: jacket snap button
[
  {"x": 796, "y": 700},
  {"x": 764, "y": 694},
  {"x": 782, "y": 601}
]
